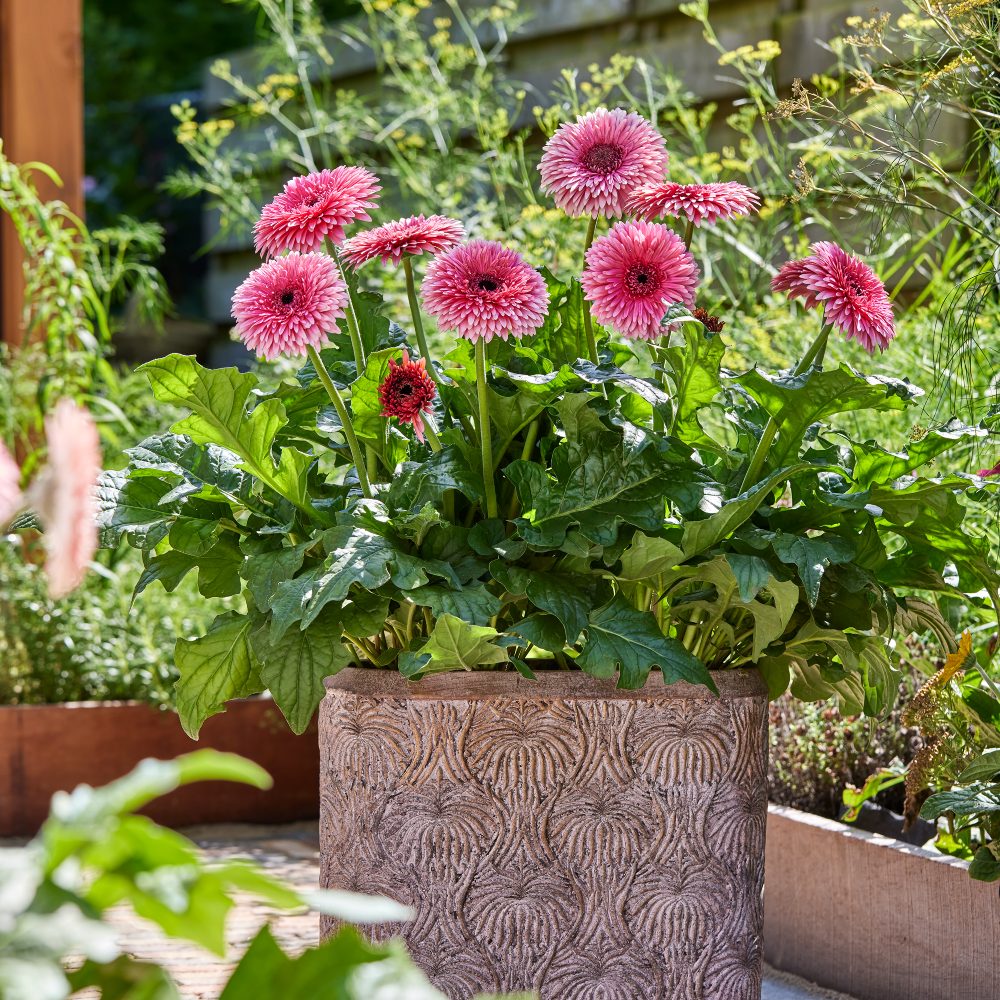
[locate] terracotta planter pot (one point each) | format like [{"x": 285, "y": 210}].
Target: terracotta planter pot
[
  {"x": 48, "y": 748},
  {"x": 555, "y": 835},
  {"x": 874, "y": 917}
]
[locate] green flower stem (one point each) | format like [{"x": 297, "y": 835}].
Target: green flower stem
[
  {"x": 352, "y": 315},
  {"x": 338, "y": 402},
  {"x": 435, "y": 445},
  {"x": 588, "y": 323},
  {"x": 689, "y": 234},
  {"x": 418, "y": 323},
  {"x": 418, "y": 330},
  {"x": 432, "y": 439},
  {"x": 529, "y": 446},
  {"x": 360, "y": 361},
  {"x": 814, "y": 356},
  {"x": 485, "y": 437},
  {"x": 530, "y": 438}
]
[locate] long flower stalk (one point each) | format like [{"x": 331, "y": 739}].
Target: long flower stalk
[
  {"x": 588, "y": 323},
  {"x": 485, "y": 436},
  {"x": 345, "y": 419},
  {"x": 357, "y": 345},
  {"x": 813, "y": 356},
  {"x": 418, "y": 331},
  {"x": 418, "y": 323}
]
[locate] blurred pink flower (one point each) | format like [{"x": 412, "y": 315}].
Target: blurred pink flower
[
  {"x": 995, "y": 471},
  {"x": 10, "y": 487},
  {"x": 592, "y": 165},
  {"x": 697, "y": 202},
  {"x": 852, "y": 296},
  {"x": 483, "y": 290},
  {"x": 289, "y": 303},
  {"x": 313, "y": 208},
  {"x": 414, "y": 235},
  {"x": 634, "y": 274},
  {"x": 63, "y": 495}
]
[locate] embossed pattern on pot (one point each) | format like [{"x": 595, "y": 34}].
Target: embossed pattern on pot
[{"x": 583, "y": 843}]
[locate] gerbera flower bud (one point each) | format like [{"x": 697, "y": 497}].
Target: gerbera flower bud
[
  {"x": 711, "y": 323},
  {"x": 852, "y": 296},
  {"x": 313, "y": 208},
  {"x": 415, "y": 235},
  {"x": 483, "y": 290},
  {"x": 406, "y": 393},
  {"x": 289, "y": 304},
  {"x": 634, "y": 274},
  {"x": 63, "y": 495},
  {"x": 696, "y": 202},
  {"x": 592, "y": 165}
]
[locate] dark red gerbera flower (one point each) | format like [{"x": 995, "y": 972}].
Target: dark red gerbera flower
[{"x": 406, "y": 393}]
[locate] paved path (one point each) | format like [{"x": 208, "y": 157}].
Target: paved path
[{"x": 291, "y": 853}]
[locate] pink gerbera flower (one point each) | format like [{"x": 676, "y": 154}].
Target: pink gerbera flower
[
  {"x": 288, "y": 304},
  {"x": 63, "y": 495},
  {"x": 635, "y": 273},
  {"x": 483, "y": 290},
  {"x": 10, "y": 486},
  {"x": 406, "y": 393},
  {"x": 592, "y": 165},
  {"x": 414, "y": 235},
  {"x": 852, "y": 296},
  {"x": 313, "y": 208},
  {"x": 697, "y": 202}
]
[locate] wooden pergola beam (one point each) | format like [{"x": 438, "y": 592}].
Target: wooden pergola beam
[{"x": 41, "y": 118}]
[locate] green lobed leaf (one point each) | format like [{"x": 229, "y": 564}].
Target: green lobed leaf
[
  {"x": 219, "y": 401},
  {"x": 621, "y": 637},
  {"x": 541, "y": 630},
  {"x": 169, "y": 568},
  {"x": 978, "y": 797},
  {"x": 214, "y": 669},
  {"x": 699, "y": 536},
  {"x": 219, "y": 569},
  {"x": 474, "y": 604},
  {"x": 204, "y": 468},
  {"x": 456, "y": 645},
  {"x": 294, "y": 667},
  {"x": 131, "y": 507},
  {"x": 798, "y": 401},
  {"x": 268, "y": 563},
  {"x": 356, "y": 556},
  {"x": 873, "y": 464}
]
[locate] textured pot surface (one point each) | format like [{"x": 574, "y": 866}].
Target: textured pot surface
[{"x": 555, "y": 835}]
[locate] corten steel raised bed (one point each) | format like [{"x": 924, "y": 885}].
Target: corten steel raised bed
[
  {"x": 874, "y": 917},
  {"x": 555, "y": 835},
  {"x": 47, "y": 748}
]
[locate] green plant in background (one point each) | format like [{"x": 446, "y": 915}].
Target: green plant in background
[
  {"x": 94, "y": 853},
  {"x": 816, "y": 753},
  {"x": 74, "y": 279},
  {"x": 92, "y": 645},
  {"x": 921, "y": 106},
  {"x": 451, "y": 132}
]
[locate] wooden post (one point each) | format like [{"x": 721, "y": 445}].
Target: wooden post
[{"x": 41, "y": 118}]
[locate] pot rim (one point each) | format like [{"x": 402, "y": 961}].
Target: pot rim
[{"x": 384, "y": 682}]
